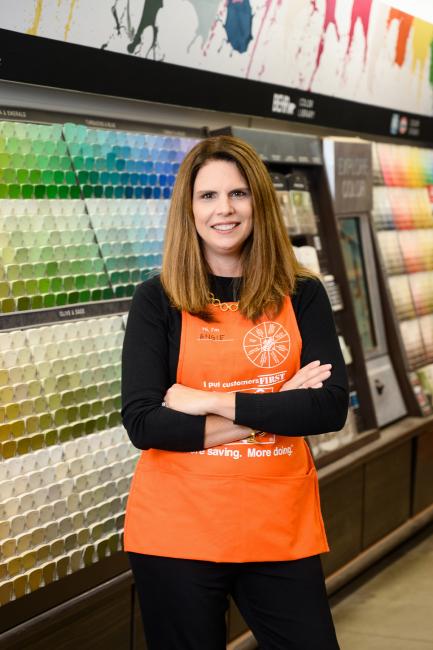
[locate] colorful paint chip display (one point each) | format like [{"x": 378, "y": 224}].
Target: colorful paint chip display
[
  {"x": 403, "y": 217},
  {"x": 82, "y": 219},
  {"x": 403, "y": 166},
  {"x": 49, "y": 256},
  {"x": 121, "y": 164},
  {"x": 35, "y": 162},
  {"x": 411, "y": 335},
  {"x": 402, "y": 296},
  {"x": 58, "y": 382},
  {"x": 63, "y": 511},
  {"x": 402, "y": 208},
  {"x": 392, "y": 256},
  {"x": 53, "y": 255},
  {"x": 130, "y": 235},
  {"x": 66, "y": 462}
]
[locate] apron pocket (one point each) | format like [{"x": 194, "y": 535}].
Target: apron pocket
[{"x": 282, "y": 517}]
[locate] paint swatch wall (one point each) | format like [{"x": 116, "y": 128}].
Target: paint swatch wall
[
  {"x": 57, "y": 253},
  {"x": 403, "y": 218},
  {"x": 82, "y": 220}
]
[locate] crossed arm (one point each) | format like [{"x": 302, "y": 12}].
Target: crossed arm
[{"x": 219, "y": 408}]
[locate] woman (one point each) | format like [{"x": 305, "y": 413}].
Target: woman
[{"x": 230, "y": 357}]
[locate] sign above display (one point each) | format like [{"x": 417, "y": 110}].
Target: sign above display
[{"x": 349, "y": 167}]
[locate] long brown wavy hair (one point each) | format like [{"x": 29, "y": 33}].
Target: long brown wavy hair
[{"x": 269, "y": 266}]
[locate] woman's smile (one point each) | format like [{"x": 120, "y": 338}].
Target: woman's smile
[{"x": 225, "y": 227}]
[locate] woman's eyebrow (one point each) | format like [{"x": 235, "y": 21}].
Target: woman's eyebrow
[{"x": 233, "y": 189}]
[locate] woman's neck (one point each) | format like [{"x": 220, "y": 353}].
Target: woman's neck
[{"x": 227, "y": 267}]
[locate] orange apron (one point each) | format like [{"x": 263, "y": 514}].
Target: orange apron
[{"x": 239, "y": 502}]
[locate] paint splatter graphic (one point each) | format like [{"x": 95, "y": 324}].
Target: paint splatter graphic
[
  {"x": 206, "y": 14},
  {"x": 69, "y": 20},
  {"x": 124, "y": 24},
  {"x": 333, "y": 48},
  {"x": 361, "y": 10},
  {"x": 329, "y": 19},
  {"x": 421, "y": 34},
  {"x": 421, "y": 44},
  {"x": 238, "y": 24},
  {"x": 148, "y": 19},
  {"x": 33, "y": 30},
  {"x": 404, "y": 26},
  {"x": 263, "y": 21}
]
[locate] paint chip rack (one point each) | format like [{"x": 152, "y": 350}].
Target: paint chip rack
[
  {"x": 52, "y": 256},
  {"x": 130, "y": 235},
  {"x": 67, "y": 256},
  {"x": 49, "y": 256},
  {"x": 121, "y": 164},
  {"x": 66, "y": 463},
  {"x": 403, "y": 219},
  {"x": 35, "y": 162}
]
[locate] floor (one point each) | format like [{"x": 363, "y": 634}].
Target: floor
[{"x": 390, "y": 607}]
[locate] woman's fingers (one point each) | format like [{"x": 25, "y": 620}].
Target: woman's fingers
[
  {"x": 314, "y": 369},
  {"x": 318, "y": 371},
  {"x": 310, "y": 376},
  {"x": 318, "y": 377},
  {"x": 310, "y": 385}
]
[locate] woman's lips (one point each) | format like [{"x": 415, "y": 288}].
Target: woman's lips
[{"x": 225, "y": 227}]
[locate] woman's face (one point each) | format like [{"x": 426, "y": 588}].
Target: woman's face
[{"x": 223, "y": 212}]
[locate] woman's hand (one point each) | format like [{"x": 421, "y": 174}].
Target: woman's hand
[
  {"x": 187, "y": 400},
  {"x": 310, "y": 376}
]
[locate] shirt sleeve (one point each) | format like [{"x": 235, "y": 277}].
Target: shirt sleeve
[
  {"x": 308, "y": 411},
  {"x": 145, "y": 378}
]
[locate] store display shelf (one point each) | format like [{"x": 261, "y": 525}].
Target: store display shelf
[
  {"x": 416, "y": 365},
  {"x": 61, "y": 314},
  {"x": 362, "y": 439},
  {"x": 26, "y": 114},
  {"x": 18, "y": 611},
  {"x": 402, "y": 431},
  {"x": 279, "y": 147}
]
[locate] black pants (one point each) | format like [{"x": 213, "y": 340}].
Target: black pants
[{"x": 183, "y": 603}]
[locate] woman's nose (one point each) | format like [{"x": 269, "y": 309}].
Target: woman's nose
[{"x": 224, "y": 204}]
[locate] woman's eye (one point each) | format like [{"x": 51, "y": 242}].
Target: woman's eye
[
  {"x": 238, "y": 194},
  {"x": 207, "y": 195}
]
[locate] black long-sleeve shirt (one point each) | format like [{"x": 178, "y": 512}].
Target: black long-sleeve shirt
[{"x": 149, "y": 363}]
